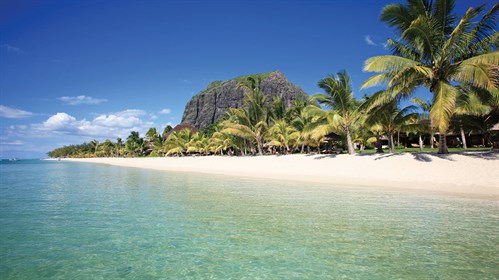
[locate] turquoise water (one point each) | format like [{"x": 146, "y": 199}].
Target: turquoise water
[{"x": 87, "y": 221}]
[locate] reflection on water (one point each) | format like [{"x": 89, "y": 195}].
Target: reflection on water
[{"x": 72, "y": 220}]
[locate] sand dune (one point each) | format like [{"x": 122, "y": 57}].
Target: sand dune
[{"x": 468, "y": 173}]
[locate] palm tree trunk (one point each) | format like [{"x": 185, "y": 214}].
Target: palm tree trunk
[
  {"x": 442, "y": 144},
  {"x": 463, "y": 138},
  {"x": 379, "y": 147},
  {"x": 398, "y": 139},
  {"x": 390, "y": 142},
  {"x": 351, "y": 149},
  {"x": 260, "y": 146},
  {"x": 420, "y": 142},
  {"x": 431, "y": 140}
]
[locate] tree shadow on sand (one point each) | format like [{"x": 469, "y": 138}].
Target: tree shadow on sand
[
  {"x": 428, "y": 157},
  {"x": 322, "y": 156}
]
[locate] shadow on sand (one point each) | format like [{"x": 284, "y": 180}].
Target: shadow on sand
[
  {"x": 428, "y": 157},
  {"x": 422, "y": 156}
]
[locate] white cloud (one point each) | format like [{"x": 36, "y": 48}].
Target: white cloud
[
  {"x": 11, "y": 113},
  {"x": 185, "y": 81},
  {"x": 153, "y": 117},
  {"x": 131, "y": 113},
  {"x": 16, "y": 142},
  {"x": 110, "y": 125},
  {"x": 369, "y": 41},
  {"x": 116, "y": 121},
  {"x": 11, "y": 48},
  {"x": 61, "y": 122},
  {"x": 80, "y": 99},
  {"x": 165, "y": 111}
]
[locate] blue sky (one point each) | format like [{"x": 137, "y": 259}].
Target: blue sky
[{"x": 73, "y": 71}]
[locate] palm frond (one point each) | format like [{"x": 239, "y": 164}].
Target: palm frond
[
  {"x": 388, "y": 63},
  {"x": 444, "y": 102},
  {"x": 481, "y": 75},
  {"x": 453, "y": 44}
]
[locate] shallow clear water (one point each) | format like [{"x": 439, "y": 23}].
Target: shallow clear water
[{"x": 87, "y": 221}]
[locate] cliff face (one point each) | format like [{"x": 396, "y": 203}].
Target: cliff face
[{"x": 211, "y": 104}]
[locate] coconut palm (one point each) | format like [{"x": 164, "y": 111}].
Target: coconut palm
[
  {"x": 199, "y": 144},
  {"x": 119, "y": 146},
  {"x": 105, "y": 149},
  {"x": 435, "y": 53},
  {"x": 221, "y": 142},
  {"x": 343, "y": 115},
  {"x": 391, "y": 119},
  {"x": 134, "y": 144},
  {"x": 469, "y": 107},
  {"x": 282, "y": 135},
  {"x": 424, "y": 124},
  {"x": 251, "y": 121},
  {"x": 178, "y": 142}
]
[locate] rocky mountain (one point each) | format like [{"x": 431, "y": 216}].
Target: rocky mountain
[{"x": 211, "y": 104}]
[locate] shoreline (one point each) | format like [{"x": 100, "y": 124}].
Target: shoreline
[{"x": 472, "y": 173}]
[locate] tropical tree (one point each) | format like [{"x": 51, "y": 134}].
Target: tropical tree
[
  {"x": 434, "y": 52},
  {"x": 469, "y": 108},
  {"x": 343, "y": 115},
  {"x": 391, "y": 119},
  {"x": 153, "y": 142},
  {"x": 424, "y": 124},
  {"x": 249, "y": 122},
  {"x": 199, "y": 143},
  {"x": 105, "y": 149},
  {"x": 178, "y": 142},
  {"x": 282, "y": 135},
  {"x": 94, "y": 144},
  {"x": 119, "y": 146},
  {"x": 134, "y": 144},
  {"x": 221, "y": 142}
]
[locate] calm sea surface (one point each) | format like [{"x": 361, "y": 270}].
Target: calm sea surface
[{"x": 88, "y": 221}]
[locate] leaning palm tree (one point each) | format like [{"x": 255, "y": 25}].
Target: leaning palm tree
[
  {"x": 343, "y": 115},
  {"x": 435, "y": 53}
]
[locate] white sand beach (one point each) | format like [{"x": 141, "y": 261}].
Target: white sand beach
[{"x": 467, "y": 173}]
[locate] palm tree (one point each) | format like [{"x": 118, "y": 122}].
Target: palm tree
[
  {"x": 433, "y": 53},
  {"x": 94, "y": 144},
  {"x": 134, "y": 144},
  {"x": 251, "y": 121},
  {"x": 178, "y": 142},
  {"x": 221, "y": 142},
  {"x": 199, "y": 144},
  {"x": 119, "y": 146},
  {"x": 305, "y": 121},
  {"x": 424, "y": 117},
  {"x": 469, "y": 106},
  {"x": 339, "y": 98},
  {"x": 282, "y": 135},
  {"x": 391, "y": 119}
]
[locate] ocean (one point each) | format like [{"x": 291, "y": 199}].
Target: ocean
[{"x": 66, "y": 220}]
